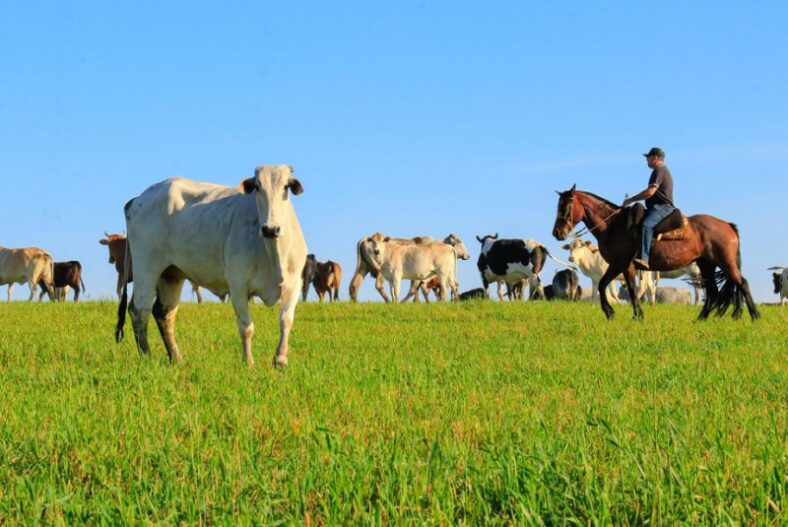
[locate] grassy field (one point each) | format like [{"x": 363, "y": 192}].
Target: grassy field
[{"x": 471, "y": 414}]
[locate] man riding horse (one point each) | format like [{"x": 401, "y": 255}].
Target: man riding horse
[{"x": 659, "y": 201}]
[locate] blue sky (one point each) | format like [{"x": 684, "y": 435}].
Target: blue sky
[{"x": 401, "y": 117}]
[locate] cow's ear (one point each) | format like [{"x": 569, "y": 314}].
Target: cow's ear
[
  {"x": 588, "y": 243},
  {"x": 249, "y": 185},
  {"x": 295, "y": 186},
  {"x": 387, "y": 238},
  {"x": 565, "y": 246},
  {"x": 104, "y": 241}
]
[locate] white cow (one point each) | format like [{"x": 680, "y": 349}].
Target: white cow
[
  {"x": 461, "y": 252},
  {"x": 365, "y": 264},
  {"x": 245, "y": 241},
  {"x": 780, "y": 282},
  {"x": 673, "y": 295},
  {"x": 29, "y": 265},
  {"x": 416, "y": 262},
  {"x": 588, "y": 258},
  {"x": 692, "y": 271}
]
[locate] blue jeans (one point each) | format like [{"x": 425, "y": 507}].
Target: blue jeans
[{"x": 654, "y": 215}]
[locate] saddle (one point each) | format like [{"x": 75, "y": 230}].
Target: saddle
[{"x": 672, "y": 227}]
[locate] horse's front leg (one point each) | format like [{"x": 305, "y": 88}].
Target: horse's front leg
[
  {"x": 634, "y": 296},
  {"x": 611, "y": 273}
]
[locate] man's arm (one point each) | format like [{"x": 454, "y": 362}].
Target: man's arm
[{"x": 650, "y": 191}]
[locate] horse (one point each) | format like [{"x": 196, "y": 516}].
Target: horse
[{"x": 706, "y": 240}]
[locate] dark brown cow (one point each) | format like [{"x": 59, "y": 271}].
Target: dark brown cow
[
  {"x": 116, "y": 243},
  {"x": 308, "y": 274},
  {"x": 67, "y": 274}
]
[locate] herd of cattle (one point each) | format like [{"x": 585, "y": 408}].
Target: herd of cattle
[{"x": 252, "y": 246}]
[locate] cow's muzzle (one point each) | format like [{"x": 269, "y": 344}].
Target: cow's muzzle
[{"x": 270, "y": 232}]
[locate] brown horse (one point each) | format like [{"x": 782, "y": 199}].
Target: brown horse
[{"x": 707, "y": 240}]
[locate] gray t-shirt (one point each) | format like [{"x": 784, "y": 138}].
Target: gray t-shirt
[{"x": 661, "y": 179}]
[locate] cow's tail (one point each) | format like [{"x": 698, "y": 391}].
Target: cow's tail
[
  {"x": 362, "y": 253},
  {"x": 553, "y": 258},
  {"x": 124, "y": 296}
]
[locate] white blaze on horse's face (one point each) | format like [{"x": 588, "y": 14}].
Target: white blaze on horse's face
[
  {"x": 271, "y": 185},
  {"x": 564, "y": 221}
]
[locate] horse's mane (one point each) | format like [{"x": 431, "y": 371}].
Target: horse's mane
[{"x": 600, "y": 198}]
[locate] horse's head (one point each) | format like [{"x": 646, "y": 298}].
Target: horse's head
[{"x": 569, "y": 214}]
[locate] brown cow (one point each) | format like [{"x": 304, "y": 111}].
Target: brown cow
[
  {"x": 67, "y": 274},
  {"x": 328, "y": 276},
  {"x": 116, "y": 243},
  {"x": 325, "y": 277}
]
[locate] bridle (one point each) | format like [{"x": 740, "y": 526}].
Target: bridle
[{"x": 585, "y": 230}]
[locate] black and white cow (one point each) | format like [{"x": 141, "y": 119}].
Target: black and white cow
[{"x": 510, "y": 261}]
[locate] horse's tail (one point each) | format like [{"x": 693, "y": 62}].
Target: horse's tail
[{"x": 729, "y": 292}]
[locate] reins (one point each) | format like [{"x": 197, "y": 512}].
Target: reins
[{"x": 586, "y": 230}]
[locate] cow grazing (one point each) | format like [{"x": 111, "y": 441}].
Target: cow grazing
[
  {"x": 116, "y": 244},
  {"x": 473, "y": 294},
  {"x": 417, "y": 262},
  {"x": 566, "y": 285},
  {"x": 66, "y": 275},
  {"x": 365, "y": 264},
  {"x": 590, "y": 262},
  {"x": 29, "y": 265},
  {"x": 246, "y": 241},
  {"x": 780, "y": 281}
]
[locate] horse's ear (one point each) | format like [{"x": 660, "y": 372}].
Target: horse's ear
[
  {"x": 478, "y": 239},
  {"x": 572, "y": 190},
  {"x": 495, "y": 237},
  {"x": 558, "y": 192}
]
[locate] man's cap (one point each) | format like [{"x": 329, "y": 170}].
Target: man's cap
[{"x": 656, "y": 151}]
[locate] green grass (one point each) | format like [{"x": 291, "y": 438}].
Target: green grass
[{"x": 475, "y": 414}]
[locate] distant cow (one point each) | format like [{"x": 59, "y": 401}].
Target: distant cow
[
  {"x": 591, "y": 263},
  {"x": 29, "y": 265},
  {"x": 780, "y": 281},
  {"x": 664, "y": 295},
  {"x": 67, "y": 275},
  {"x": 694, "y": 279},
  {"x": 510, "y": 261},
  {"x": 365, "y": 264},
  {"x": 566, "y": 285},
  {"x": 327, "y": 280},
  {"x": 473, "y": 294},
  {"x": 416, "y": 262},
  {"x": 116, "y": 244},
  {"x": 308, "y": 275},
  {"x": 433, "y": 284},
  {"x": 245, "y": 240},
  {"x": 326, "y": 277}
]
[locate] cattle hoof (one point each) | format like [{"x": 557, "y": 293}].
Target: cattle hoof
[{"x": 280, "y": 362}]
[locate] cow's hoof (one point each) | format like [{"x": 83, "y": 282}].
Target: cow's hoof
[{"x": 280, "y": 362}]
